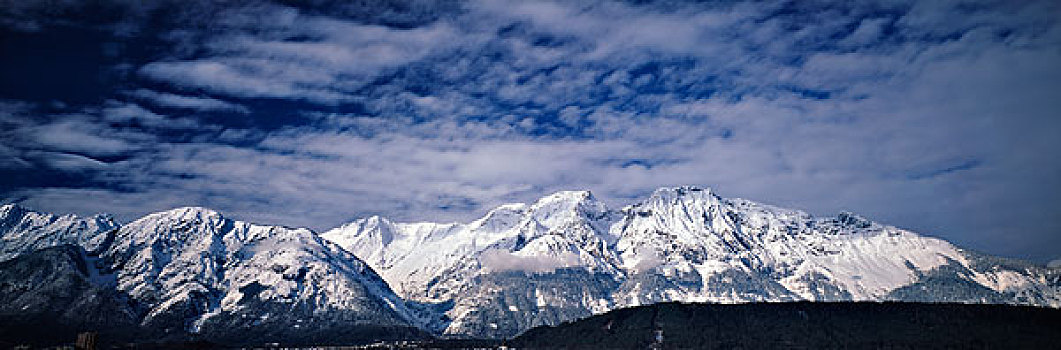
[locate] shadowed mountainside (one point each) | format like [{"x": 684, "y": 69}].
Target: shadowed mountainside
[{"x": 48, "y": 296}]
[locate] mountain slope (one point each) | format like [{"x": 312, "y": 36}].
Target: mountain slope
[
  {"x": 192, "y": 273},
  {"x": 568, "y": 256},
  {"x": 54, "y": 293},
  {"x": 466, "y": 265},
  {"x": 23, "y": 230},
  {"x": 202, "y": 272},
  {"x": 690, "y": 233},
  {"x": 760, "y": 252}
]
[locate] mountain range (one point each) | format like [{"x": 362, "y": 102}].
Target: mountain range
[{"x": 191, "y": 272}]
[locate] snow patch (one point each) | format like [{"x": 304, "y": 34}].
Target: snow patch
[{"x": 497, "y": 260}]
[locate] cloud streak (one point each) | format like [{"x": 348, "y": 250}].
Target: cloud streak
[
  {"x": 203, "y": 104},
  {"x": 903, "y": 111}
]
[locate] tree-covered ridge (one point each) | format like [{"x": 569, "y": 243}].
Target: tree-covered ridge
[{"x": 814, "y": 325}]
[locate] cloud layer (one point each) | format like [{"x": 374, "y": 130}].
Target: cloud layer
[{"x": 936, "y": 116}]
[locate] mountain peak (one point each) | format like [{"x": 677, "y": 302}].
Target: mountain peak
[
  {"x": 850, "y": 219},
  {"x": 187, "y": 214},
  {"x": 569, "y": 200},
  {"x": 194, "y": 210},
  {"x": 376, "y": 220},
  {"x": 575, "y": 196},
  {"x": 24, "y": 230},
  {"x": 689, "y": 195},
  {"x": 681, "y": 191},
  {"x": 181, "y": 225},
  {"x": 565, "y": 207},
  {"x": 380, "y": 227},
  {"x": 10, "y": 209}
]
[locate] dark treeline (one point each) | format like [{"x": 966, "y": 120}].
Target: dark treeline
[{"x": 848, "y": 325}]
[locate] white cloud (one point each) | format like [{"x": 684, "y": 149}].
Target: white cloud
[
  {"x": 66, "y": 162},
  {"x": 937, "y": 122},
  {"x": 306, "y": 57},
  {"x": 188, "y": 102},
  {"x": 75, "y": 136},
  {"x": 867, "y": 32},
  {"x": 500, "y": 260},
  {"x": 646, "y": 262},
  {"x": 124, "y": 112},
  {"x": 247, "y": 78}
]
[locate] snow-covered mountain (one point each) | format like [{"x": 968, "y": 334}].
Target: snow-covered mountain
[
  {"x": 193, "y": 271},
  {"x": 426, "y": 260},
  {"x": 568, "y": 256},
  {"x": 23, "y": 230},
  {"x": 563, "y": 257},
  {"x": 514, "y": 246}
]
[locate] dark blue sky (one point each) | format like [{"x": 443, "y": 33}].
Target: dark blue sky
[{"x": 937, "y": 116}]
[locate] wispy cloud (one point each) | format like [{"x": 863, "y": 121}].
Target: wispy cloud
[
  {"x": 914, "y": 113},
  {"x": 74, "y": 136},
  {"x": 204, "y": 104},
  {"x": 308, "y": 57}
]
